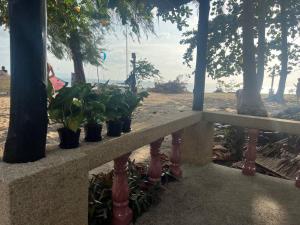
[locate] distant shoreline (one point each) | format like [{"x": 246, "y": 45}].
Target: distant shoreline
[{"x": 210, "y": 88}]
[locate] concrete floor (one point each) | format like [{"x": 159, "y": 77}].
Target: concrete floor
[{"x": 217, "y": 195}]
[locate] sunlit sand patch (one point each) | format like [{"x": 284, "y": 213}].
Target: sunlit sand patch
[{"x": 264, "y": 208}]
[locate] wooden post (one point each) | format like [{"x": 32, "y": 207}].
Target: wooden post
[
  {"x": 250, "y": 155},
  {"x": 175, "y": 155},
  {"x": 26, "y": 139},
  {"x": 122, "y": 214},
  {"x": 155, "y": 164}
]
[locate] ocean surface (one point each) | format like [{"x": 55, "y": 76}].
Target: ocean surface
[{"x": 209, "y": 87}]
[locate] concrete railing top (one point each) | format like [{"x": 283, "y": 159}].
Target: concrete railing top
[
  {"x": 264, "y": 123},
  {"x": 97, "y": 154}
]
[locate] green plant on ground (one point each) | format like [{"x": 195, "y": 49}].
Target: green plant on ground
[
  {"x": 142, "y": 194},
  {"x": 66, "y": 108},
  {"x": 100, "y": 199},
  {"x": 234, "y": 138}
]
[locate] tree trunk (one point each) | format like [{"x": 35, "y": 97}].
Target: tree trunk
[
  {"x": 26, "y": 139},
  {"x": 261, "y": 43},
  {"x": 284, "y": 53},
  {"x": 202, "y": 38},
  {"x": 79, "y": 75},
  {"x": 249, "y": 100}
]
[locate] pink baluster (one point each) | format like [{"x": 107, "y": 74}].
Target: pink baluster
[
  {"x": 175, "y": 155},
  {"x": 298, "y": 180},
  {"x": 155, "y": 164},
  {"x": 250, "y": 155},
  {"x": 122, "y": 214}
]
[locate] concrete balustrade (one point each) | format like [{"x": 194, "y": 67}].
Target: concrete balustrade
[
  {"x": 249, "y": 168},
  {"x": 51, "y": 191},
  {"x": 54, "y": 190},
  {"x": 176, "y": 154},
  {"x": 155, "y": 167},
  {"x": 254, "y": 123}
]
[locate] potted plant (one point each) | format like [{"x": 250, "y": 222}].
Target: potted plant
[
  {"x": 93, "y": 110},
  {"x": 132, "y": 100},
  {"x": 66, "y": 108},
  {"x": 115, "y": 109}
]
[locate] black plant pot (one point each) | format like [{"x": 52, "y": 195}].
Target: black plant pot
[
  {"x": 126, "y": 128},
  {"x": 93, "y": 132},
  {"x": 68, "y": 138},
  {"x": 114, "y": 128}
]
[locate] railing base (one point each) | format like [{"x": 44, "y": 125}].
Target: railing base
[
  {"x": 297, "y": 183},
  {"x": 250, "y": 154},
  {"x": 122, "y": 214},
  {"x": 155, "y": 163},
  {"x": 176, "y": 154},
  {"x": 249, "y": 168}
]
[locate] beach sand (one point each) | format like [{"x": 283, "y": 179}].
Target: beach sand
[{"x": 155, "y": 106}]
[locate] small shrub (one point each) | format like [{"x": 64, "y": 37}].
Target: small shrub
[
  {"x": 176, "y": 86},
  {"x": 142, "y": 195}
]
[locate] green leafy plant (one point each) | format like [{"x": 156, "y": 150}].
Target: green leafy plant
[
  {"x": 66, "y": 108},
  {"x": 141, "y": 195},
  {"x": 133, "y": 100},
  {"x": 145, "y": 70},
  {"x": 93, "y": 104},
  {"x": 116, "y": 107},
  {"x": 100, "y": 199}
]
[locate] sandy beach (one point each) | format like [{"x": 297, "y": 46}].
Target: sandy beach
[{"x": 156, "y": 105}]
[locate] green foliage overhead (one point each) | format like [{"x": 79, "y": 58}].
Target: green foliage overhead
[
  {"x": 96, "y": 17},
  {"x": 225, "y": 42},
  {"x": 177, "y": 16},
  {"x": 3, "y": 12},
  {"x": 274, "y": 34},
  {"x": 69, "y": 22}
]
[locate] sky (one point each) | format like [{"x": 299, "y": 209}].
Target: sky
[{"x": 162, "y": 49}]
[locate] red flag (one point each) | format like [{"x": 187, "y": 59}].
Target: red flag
[{"x": 57, "y": 84}]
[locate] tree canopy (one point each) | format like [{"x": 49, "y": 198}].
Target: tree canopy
[
  {"x": 76, "y": 29},
  {"x": 225, "y": 41},
  {"x": 3, "y": 13},
  {"x": 145, "y": 70}
]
